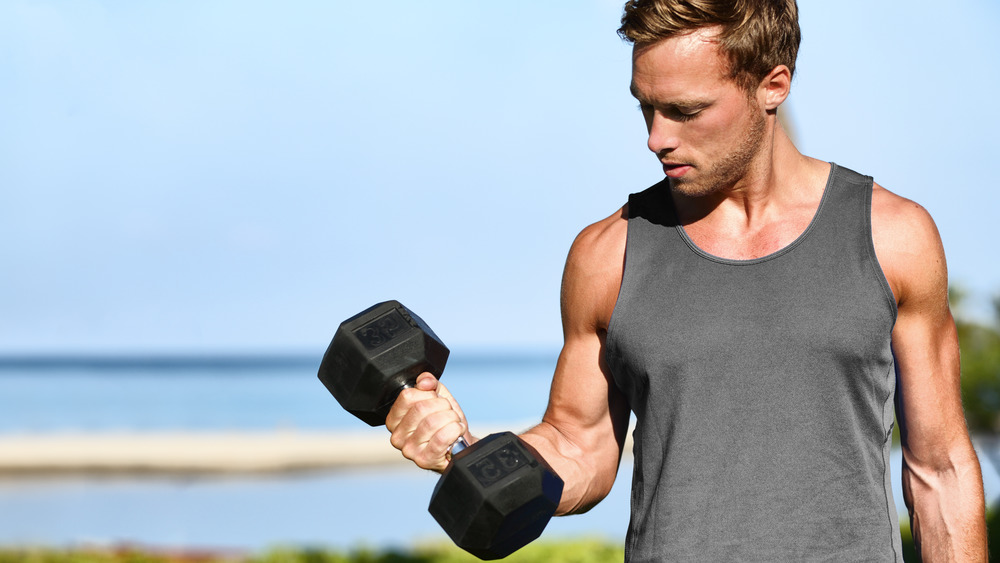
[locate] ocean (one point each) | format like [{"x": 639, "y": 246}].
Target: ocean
[
  {"x": 380, "y": 507},
  {"x": 235, "y": 393}
]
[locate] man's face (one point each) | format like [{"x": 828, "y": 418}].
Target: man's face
[{"x": 704, "y": 128}]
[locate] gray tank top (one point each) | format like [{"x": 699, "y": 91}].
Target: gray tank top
[{"x": 762, "y": 389}]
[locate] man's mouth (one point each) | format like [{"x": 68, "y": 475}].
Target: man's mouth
[{"x": 675, "y": 169}]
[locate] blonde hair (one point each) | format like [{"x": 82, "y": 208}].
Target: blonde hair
[{"x": 756, "y": 35}]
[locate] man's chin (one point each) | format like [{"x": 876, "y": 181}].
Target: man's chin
[{"x": 689, "y": 187}]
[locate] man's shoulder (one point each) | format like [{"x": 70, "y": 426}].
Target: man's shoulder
[
  {"x": 898, "y": 218},
  {"x": 593, "y": 273},
  {"x": 907, "y": 243},
  {"x": 603, "y": 237}
]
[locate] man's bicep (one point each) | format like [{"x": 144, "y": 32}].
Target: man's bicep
[
  {"x": 929, "y": 399},
  {"x": 584, "y": 403}
]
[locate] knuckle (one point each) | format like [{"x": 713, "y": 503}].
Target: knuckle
[
  {"x": 397, "y": 441},
  {"x": 410, "y": 452},
  {"x": 404, "y": 399}
]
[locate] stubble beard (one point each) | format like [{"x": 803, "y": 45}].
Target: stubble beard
[{"x": 726, "y": 174}]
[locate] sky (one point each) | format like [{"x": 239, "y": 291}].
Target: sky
[{"x": 238, "y": 177}]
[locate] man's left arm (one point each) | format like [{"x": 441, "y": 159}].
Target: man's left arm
[{"x": 942, "y": 480}]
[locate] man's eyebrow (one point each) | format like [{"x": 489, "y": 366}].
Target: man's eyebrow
[{"x": 678, "y": 103}]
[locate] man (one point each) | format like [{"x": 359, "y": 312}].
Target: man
[{"x": 760, "y": 312}]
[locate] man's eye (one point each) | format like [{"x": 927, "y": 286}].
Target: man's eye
[
  {"x": 685, "y": 115},
  {"x": 674, "y": 113}
]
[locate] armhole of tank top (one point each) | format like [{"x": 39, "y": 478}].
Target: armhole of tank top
[
  {"x": 878, "y": 272},
  {"x": 622, "y": 283}
]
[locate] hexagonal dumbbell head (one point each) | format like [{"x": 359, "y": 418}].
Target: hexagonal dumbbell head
[
  {"x": 376, "y": 354},
  {"x": 496, "y": 496}
]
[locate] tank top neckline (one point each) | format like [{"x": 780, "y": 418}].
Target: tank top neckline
[{"x": 777, "y": 253}]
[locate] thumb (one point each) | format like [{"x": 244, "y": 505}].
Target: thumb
[{"x": 426, "y": 382}]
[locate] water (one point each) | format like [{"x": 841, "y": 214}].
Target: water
[
  {"x": 377, "y": 507},
  {"x": 382, "y": 507},
  {"x": 235, "y": 393}
]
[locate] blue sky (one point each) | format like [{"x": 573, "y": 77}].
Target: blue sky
[{"x": 240, "y": 176}]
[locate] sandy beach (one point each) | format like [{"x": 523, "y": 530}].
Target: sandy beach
[
  {"x": 191, "y": 453},
  {"x": 181, "y": 453}
]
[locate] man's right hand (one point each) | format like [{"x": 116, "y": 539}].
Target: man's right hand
[{"x": 425, "y": 421}]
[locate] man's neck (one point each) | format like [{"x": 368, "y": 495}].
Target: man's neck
[{"x": 767, "y": 209}]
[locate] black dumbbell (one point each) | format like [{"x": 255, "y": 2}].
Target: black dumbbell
[{"x": 495, "y": 496}]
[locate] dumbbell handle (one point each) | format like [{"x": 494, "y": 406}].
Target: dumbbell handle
[{"x": 459, "y": 445}]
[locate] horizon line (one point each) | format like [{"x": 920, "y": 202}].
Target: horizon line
[{"x": 227, "y": 359}]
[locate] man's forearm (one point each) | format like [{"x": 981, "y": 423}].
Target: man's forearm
[{"x": 947, "y": 510}]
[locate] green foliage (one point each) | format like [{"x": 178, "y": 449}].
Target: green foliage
[
  {"x": 993, "y": 532},
  {"x": 291, "y": 555},
  {"x": 578, "y": 551},
  {"x": 909, "y": 548},
  {"x": 37, "y": 555},
  {"x": 569, "y": 551},
  {"x": 980, "y": 349}
]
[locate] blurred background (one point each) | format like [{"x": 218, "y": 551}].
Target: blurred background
[{"x": 193, "y": 196}]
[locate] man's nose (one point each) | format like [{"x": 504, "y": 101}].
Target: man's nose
[{"x": 663, "y": 134}]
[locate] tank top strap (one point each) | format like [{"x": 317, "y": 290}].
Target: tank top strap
[
  {"x": 655, "y": 204},
  {"x": 845, "y": 212}
]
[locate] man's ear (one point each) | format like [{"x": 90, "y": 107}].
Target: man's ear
[{"x": 774, "y": 87}]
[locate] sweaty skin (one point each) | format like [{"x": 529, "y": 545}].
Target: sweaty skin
[{"x": 742, "y": 190}]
